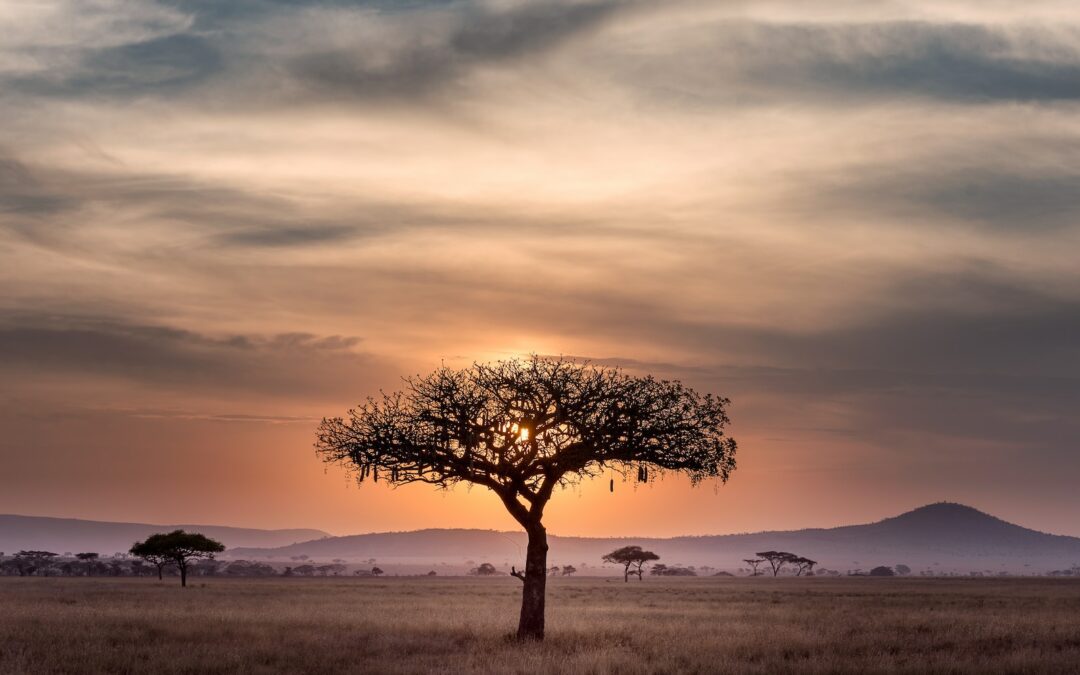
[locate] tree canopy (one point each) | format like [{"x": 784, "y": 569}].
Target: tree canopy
[
  {"x": 753, "y": 563},
  {"x": 630, "y": 556},
  {"x": 178, "y": 548},
  {"x": 777, "y": 559},
  {"x": 524, "y": 427}
]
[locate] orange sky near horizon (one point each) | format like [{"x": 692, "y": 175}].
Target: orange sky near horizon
[{"x": 859, "y": 221}]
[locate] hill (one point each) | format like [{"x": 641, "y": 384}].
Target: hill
[
  {"x": 73, "y": 535},
  {"x": 942, "y": 537}
]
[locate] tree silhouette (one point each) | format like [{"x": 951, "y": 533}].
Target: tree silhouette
[
  {"x": 753, "y": 563},
  {"x": 88, "y": 559},
  {"x": 523, "y": 428},
  {"x": 158, "y": 560},
  {"x": 777, "y": 559},
  {"x": 568, "y": 571},
  {"x": 29, "y": 562},
  {"x": 803, "y": 565},
  {"x": 630, "y": 556},
  {"x": 178, "y": 548},
  {"x": 662, "y": 570}
]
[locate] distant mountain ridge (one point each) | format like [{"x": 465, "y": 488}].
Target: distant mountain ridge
[
  {"x": 71, "y": 534},
  {"x": 940, "y": 537}
]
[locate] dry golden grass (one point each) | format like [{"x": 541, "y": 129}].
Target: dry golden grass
[{"x": 399, "y": 625}]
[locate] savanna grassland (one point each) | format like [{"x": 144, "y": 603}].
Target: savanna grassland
[{"x": 405, "y": 625}]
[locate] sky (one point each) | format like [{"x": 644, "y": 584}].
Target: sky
[{"x": 222, "y": 221}]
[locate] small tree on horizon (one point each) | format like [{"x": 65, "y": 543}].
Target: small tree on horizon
[
  {"x": 524, "y": 428},
  {"x": 177, "y": 548},
  {"x": 88, "y": 559},
  {"x": 631, "y": 556},
  {"x": 569, "y": 570},
  {"x": 777, "y": 559},
  {"x": 803, "y": 565},
  {"x": 27, "y": 563},
  {"x": 753, "y": 563}
]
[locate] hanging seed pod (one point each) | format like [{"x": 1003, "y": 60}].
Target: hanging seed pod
[
  {"x": 375, "y": 474},
  {"x": 612, "y": 487},
  {"x": 646, "y": 470}
]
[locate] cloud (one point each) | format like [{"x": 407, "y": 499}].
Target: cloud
[
  {"x": 328, "y": 50},
  {"x": 734, "y": 61},
  {"x": 419, "y": 55},
  {"x": 23, "y": 194},
  {"x": 160, "y": 65},
  {"x": 42, "y": 35},
  {"x": 289, "y": 236},
  {"x": 1021, "y": 200},
  {"x": 149, "y": 356}
]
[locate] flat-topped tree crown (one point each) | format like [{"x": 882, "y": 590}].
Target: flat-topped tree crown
[
  {"x": 177, "y": 548},
  {"x": 523, "y": 428}
]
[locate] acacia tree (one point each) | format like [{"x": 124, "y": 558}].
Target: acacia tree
[
  {"x": 158, "y": 560},
  {"x": 523, "y": 428},
  {"x": 30, "y": 562},
  {"x": 630, "y": 556},
  {"x": 88, "y": 559},
  {"x": 753, "y": 563},
  {"x": 777, "y": 559},
  {"x": 803, "y": 565},
  {"x": 177, "y": 548}
]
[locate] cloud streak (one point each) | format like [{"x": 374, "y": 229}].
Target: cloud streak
[{"x": 731, "y": 61}]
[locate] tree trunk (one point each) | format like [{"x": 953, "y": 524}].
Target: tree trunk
[
  {"x": 531, "y": 625},
  {"x": 183, "y": 576},
  {"x": 626, "y": 574},
  {"x": 160, "y": 576}
]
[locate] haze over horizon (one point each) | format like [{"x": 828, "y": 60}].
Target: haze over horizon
[
  {"x": 220, "y": 222},
  {"x": 935, "y": 508}
]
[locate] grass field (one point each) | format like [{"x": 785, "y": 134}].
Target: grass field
[{"x": 390, "y": 625}]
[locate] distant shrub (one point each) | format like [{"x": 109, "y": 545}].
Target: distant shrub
[
  {"x": 247, "y": 568},
  {"x": 662, "y": 570}
]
